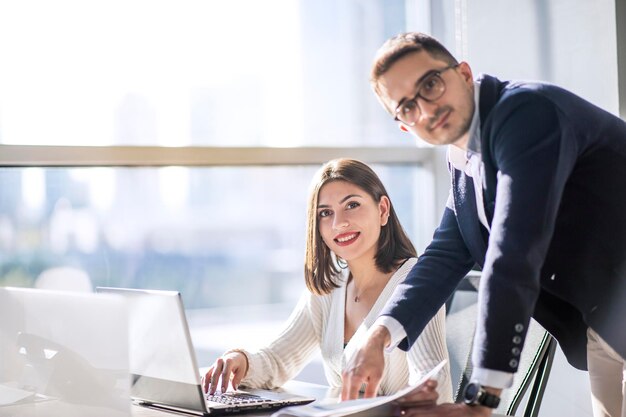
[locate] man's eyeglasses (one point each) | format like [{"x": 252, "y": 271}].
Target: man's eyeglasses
[{"x": 430, "y": 89}]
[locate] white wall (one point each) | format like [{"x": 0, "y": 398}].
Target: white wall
[{"x": 571, "y": 43}]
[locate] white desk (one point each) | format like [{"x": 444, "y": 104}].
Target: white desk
[
  {"x": 296, "y": 387},
  {"x": 59, "y": 409}
]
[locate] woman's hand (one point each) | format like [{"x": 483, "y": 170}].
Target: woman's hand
[{"x": 231, "y": 365}]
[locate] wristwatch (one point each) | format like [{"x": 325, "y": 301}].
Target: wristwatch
[{"x": 475, "y": 394}]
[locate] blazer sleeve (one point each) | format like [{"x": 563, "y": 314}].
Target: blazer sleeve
[
  {"x": 524, "y": 144},
  {"x": 432, "y": 280},
  {"x": 276, "y": 363}
]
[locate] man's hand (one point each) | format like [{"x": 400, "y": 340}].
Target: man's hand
[
  {"x": 421, "y": 398},
  {"x": 366, "y": 366},
  {"x": 425, "y": 406},
  {"x": 445, "y": 410}
]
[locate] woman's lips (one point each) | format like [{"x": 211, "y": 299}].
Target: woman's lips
[{"x": 346, "y": 239}]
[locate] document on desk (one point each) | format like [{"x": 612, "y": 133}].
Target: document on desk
[
  {"x": 327, "y": 408},
  {"x": 10, "y": 395}
]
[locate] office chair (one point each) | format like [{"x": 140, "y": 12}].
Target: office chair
[
  {"x": 65, "y": 278},
  {"x": 535, "y": 361}
]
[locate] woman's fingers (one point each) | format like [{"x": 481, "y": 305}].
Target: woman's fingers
[
  {"x": 226, "y": 371},
  {"x": 217, "y": 372},
  {"x": 232, "y": 365},
  {"x": 238, "y": 375},
  {"x": 206, "y": 380}
]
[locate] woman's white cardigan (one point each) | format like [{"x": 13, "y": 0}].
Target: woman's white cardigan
[{"x": 318, "y": 322}]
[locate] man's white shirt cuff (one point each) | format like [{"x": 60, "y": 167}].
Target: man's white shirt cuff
[
  {"x": 395, "y": 330},
  {"x": 486, "y": 377},
  {"x": 492, "y": 378}
]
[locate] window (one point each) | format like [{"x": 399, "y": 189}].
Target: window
[
  {"x": 223, "y": 236},
  {"x": 195, "y": 72},
  {"x": 170, "y": 144}
]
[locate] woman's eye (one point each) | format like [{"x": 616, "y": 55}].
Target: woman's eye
[
  {"x": 324, "y": 213},
  {"x": 352, "y": 205}
]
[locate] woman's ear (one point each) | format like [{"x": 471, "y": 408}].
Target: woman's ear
[{"x": 385, "y": 209}]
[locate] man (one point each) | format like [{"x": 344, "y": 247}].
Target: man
[{"x": 538, "y": 201}]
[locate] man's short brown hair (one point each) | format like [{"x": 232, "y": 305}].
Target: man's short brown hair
[{"x": 401, "y": 45}]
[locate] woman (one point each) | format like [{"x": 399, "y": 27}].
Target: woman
[{"x": 356, "y": 254}]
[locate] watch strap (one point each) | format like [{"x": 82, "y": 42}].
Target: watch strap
[{"x": 489, "y": 400}]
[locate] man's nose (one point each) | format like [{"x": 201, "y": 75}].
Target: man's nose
[{"x": 427, "y": 108}]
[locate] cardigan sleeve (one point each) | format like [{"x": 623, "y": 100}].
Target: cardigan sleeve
[
  {"x": 279, "y": 361},
  {"x": 428, "y": 350}
]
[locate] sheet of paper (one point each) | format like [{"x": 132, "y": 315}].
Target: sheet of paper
[
  {"x": 10, "y": 395},
  {"x": 337, "y": 409}
]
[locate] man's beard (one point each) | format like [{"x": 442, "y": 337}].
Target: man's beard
[{"x": 456, "y": 134}]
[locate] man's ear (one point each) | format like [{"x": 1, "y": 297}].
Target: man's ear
[
  {"x": 466, "y": 72},
  {"x": 402, "y": 127}
]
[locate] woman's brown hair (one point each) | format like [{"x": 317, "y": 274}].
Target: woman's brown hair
[{"x": 321, "y": 269}]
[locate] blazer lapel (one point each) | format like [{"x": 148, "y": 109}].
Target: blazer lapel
[
  {"x": 490, "y": 91},
  {"x": 474, "y": 234}
]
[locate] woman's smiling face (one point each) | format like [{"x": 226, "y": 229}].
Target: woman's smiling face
[{"x": 349, "y": 220}]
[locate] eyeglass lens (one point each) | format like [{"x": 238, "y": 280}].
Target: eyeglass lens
[{"x": 431, "y": 89}]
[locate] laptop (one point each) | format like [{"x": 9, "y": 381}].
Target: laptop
[
  {"x": 63, "y": 353},
  {"x": 163, "y": 364}
]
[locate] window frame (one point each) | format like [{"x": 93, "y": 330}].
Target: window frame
[{"x": 198, "y": 156}]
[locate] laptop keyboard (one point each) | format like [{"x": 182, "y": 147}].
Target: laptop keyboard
[{"x": 238, "y": 398}]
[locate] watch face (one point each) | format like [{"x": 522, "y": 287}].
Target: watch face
[
  {"x": 471, "y": 391},
  {"x": 474, "y": 394}
]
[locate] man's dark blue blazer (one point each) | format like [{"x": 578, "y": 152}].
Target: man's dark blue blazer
[{"x": 554, "y": 191}]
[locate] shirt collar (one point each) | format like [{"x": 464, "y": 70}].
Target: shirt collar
[
  {"x": 457, "y": 156},
  {"x": 473, "y": 145}
]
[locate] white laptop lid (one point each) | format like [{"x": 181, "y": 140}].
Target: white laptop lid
[
  {"x": 162, "y": 361},
  {"x": 63, "y": 353}
]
